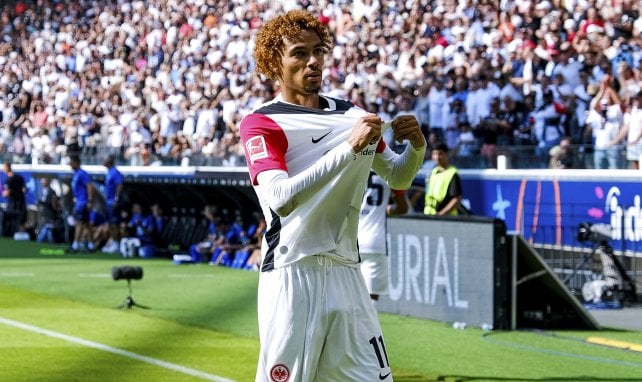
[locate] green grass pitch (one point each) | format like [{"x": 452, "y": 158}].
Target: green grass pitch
[{"x": 58, "y": 322}]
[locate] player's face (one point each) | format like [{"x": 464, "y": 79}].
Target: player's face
[{"x": 302, "y": 63}]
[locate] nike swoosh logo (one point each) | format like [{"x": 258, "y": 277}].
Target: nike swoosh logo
[
  {"x": 382, "y": 377},
  {"x": 317, "y": 140}
]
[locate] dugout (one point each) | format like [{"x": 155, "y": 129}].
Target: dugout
[{"x": 181, "y": 192}]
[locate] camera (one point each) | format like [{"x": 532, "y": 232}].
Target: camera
[
  {"x": 596, "y": 233},
  {"x": 127, "y": 272}
]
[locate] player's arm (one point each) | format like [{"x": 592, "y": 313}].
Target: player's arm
[
  {"x": 90, "y": 192},
  {"x": 119, "y": 191},
  {"x": 265, "y": 147},
  {"x": 401, "y": 204},
  {"x": 399, "y": 170},
  {"x": 284, "y": 193}
]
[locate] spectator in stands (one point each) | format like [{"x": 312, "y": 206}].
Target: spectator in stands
[
  {"x": 83, "y": 192},
  {"x": 454, "y": 117},
  {"x": 15, "y": 214},
  {"x": 437, "y": 103},
  {"x": 604, "y": 122},
  {"x": 631, "y": 132},
  {"x": 51, "y": 229},
  {"x": 490, "y": 128},
  {"x": 548, "y": 127},
  {"x": 114, "y": 185}
]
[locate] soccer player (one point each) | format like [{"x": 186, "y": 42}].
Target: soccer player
[
  {"x": 83, "y": 192},
  {"x": 375, "y": 207},
  {"x": 309, "y": 157},
  {"x": 113, "y": 190}
]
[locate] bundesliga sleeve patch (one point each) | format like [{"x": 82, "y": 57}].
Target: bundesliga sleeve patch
[{"x": 256, "y": 148}]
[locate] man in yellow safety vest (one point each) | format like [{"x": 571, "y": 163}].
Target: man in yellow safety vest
[{"x": 443, "y": 192}]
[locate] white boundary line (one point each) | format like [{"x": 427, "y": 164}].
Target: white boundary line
[{"x": 109, "y": 349}]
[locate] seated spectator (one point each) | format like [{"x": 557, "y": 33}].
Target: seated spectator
[
  {"x": 140, "y": 232},
  {"x": 205, "y": 248},
  {"x": 234, "y": 237},
  {"x": 251, "y": 241}
]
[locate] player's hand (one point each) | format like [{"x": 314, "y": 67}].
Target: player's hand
[
  {"x": 407, "y": 127},
  {"x": 365, "y": 132}
]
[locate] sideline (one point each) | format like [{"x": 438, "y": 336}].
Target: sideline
[
  {"x": 490, "y": 337},
  {"x": 109, "y": 349}
]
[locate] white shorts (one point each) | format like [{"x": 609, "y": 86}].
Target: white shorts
[
  {"x": 633, "y": 152},
  {"x": 374, "y": 267},
  {"x": 317, "y": 323}
]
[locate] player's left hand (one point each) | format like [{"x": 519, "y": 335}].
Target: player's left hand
[{"x": 407, "y": 127}]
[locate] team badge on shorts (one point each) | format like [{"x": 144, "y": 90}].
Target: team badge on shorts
[{"x": 279, "y": 373}]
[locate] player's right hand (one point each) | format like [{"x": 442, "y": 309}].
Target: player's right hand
[{"x": 366, "y": 131}]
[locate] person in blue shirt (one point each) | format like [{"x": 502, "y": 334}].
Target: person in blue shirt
[
  {"x": 83, "y": 192},
  {"x": 114, "y": 184},
  {"x": 140, "y": 229}
]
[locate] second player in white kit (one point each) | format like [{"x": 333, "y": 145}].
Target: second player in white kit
[{"x": 379, "y": 201}]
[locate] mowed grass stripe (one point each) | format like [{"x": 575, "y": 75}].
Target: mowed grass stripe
[
  {"x": 212, "y": 352},
  {"x": 109, "y": 349}
]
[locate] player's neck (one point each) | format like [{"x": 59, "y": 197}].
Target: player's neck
[{"x": 306, "y": 100}]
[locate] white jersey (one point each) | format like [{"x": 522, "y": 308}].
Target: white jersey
[
  {"x": 372, "y": 222},
  {"x": 283, "y": 136}
]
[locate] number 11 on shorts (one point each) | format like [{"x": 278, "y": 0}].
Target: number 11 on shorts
[{"x": 380, "y": 351}]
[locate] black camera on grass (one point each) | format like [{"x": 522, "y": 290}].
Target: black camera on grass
[{"x": 127, "y": 272}]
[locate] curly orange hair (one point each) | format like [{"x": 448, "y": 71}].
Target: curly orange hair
[{"x": 270, "y": 39}]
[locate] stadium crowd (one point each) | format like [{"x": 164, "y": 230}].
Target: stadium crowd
[{"x": 166, "y": 81}]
